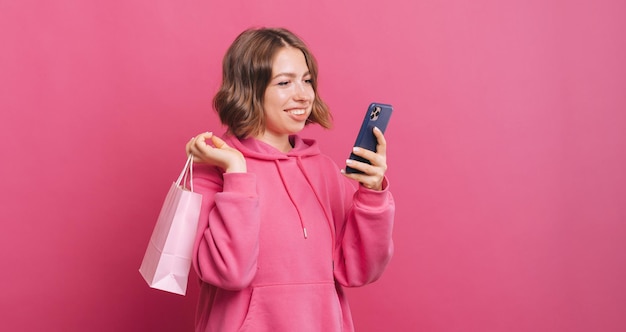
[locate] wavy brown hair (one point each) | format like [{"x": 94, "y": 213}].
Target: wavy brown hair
[{"x": 246, "y": 73}]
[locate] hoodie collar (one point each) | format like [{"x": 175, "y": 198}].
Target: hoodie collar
[{"x": 254, "y": 148}]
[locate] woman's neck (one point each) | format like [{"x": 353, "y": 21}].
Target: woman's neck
[{"x": 281, "y": 143}]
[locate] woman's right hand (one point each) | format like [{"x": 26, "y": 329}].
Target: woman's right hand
[{"x": 216, "y": 153}]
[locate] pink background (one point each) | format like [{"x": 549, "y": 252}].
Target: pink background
[{"x": 507, "y": 153}]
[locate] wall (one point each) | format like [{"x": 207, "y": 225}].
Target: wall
[{"x": 507, "y": 153}]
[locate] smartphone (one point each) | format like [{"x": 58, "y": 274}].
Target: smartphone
[{"x": 377, "y": 115}]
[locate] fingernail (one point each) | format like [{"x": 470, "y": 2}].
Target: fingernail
[
  {"x": 348, "y": 161},
  {"x": 355, "y": 149}
]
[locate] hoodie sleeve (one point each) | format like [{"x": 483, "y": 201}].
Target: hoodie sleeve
[
  {"x": 364, "y": 243},
  {"x": 227, "y": 240}
]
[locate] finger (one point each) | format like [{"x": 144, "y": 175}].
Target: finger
[
  {"x": 205, "y": 135},
  {"x": 197, "y": 146},
  {"x": 194, "y": 151},
  {"x": 366, "y": 168},
  {"x": 371, "y": 156},
  {"x": 218, "y": 142},
  {"x": 377, "y": 166},
  {"x": 200, "y": 139},
  {"x": 368, "y": 181},
  {"x": 381, "y": 147}
]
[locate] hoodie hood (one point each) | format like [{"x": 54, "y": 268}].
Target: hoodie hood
[{"x": 256, "y": 149}]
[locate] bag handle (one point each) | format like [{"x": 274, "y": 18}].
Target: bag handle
[{"x": 183, "y": 175}]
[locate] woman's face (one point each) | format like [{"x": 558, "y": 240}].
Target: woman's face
[{"x": 289, "y": 95}]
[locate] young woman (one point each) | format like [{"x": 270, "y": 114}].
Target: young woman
[{"x": 281, "y": 228}]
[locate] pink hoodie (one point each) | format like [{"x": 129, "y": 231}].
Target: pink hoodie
[{"x": 275, "y": 245}]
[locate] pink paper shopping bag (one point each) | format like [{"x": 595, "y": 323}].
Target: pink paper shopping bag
[{"x": 167, "y": 261}]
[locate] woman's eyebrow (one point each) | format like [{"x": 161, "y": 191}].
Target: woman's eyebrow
[{"x": 290, "y": 74}]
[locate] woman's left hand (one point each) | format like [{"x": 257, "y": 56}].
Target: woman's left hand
[{"x": 374, "y": 173}]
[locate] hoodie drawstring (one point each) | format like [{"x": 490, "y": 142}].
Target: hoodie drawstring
[
  {"x": 319, "y": 200},
  {"x": 282, "y": 177}
]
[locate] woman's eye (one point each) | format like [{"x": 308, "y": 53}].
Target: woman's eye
[
  {"x": 308, "y": 81},
  {"x": 283, "y": 83}
]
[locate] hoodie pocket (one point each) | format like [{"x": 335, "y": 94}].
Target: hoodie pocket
[{"x": 294, "y": 307}]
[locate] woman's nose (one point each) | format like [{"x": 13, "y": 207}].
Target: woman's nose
[{"x": 304, "y": 92}]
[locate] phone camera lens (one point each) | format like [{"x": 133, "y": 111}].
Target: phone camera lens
[{"x": 375, "y": 113}]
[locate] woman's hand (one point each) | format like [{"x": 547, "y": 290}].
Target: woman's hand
[
  {"x": 374, "y": 173},
  {"x": 216, "y": 153}
]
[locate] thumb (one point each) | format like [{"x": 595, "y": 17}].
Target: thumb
[{"x": 218, "y": 142}]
